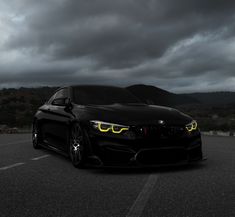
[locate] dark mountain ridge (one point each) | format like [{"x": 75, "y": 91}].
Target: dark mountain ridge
[
  {"x": 154, "y": 95},
  {"x": 213, "y": 98}
]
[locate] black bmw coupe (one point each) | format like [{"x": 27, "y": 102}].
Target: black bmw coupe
[{"x": 105, "y": 125}]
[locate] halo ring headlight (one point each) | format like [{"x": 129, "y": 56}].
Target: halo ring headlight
[
  {"x": 191, "y": 126},
  {"x": 105, "y": 127}
]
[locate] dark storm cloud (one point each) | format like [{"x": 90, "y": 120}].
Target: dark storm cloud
[{"x": 179, "y": 45}]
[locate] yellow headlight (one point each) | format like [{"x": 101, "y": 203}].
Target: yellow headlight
[
  {"x": 118, "y": 128},
  {"x": 191, "y": 126},
  {"x": 105, "y": 127}
]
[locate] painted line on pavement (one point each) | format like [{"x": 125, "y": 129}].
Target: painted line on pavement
[
  {"x": 140, "y": 202},
  {"x": 21, "y": 163},
  {"x": 11, "y": 166},
  {"x": 15, "y": 143},
  {"x": 40, "y": 157}
]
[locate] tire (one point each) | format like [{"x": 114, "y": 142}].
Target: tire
[
  {"x": 77, "y": 146},
  {"x": 36, "y": 135}
]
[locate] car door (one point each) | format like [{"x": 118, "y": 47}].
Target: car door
[
  {"x": 60, "y": 117},
  {"x": 45, "y": 120}
]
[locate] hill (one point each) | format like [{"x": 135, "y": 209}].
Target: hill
[
  {"x": 154, "y": 95},
  {"x": 214, "y": 98}
]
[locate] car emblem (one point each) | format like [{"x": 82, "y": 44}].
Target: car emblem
[{"x": 161, "y": 122}]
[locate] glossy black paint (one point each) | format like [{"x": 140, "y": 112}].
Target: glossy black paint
[{"x": 157, "y": 134}]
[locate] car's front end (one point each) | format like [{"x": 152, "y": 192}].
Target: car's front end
[
  {"x": 125, "y": 131},
  {"x": 145, "y": 144}
]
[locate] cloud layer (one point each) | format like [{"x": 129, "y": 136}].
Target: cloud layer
[{"x": 183, "y": 45}]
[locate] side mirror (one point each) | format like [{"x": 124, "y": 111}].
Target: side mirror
[
  {"x": 59, "y": 102},
  {"x": 68, "y": 104},
  {"x": 63, "y": 102}
]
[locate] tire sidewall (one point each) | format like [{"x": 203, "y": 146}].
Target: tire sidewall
[
  {"x": 36, "y": 142},
  {"x": 81, "y": 163}
]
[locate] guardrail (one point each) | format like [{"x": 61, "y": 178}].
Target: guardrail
[{"x": 218, "y": 133}]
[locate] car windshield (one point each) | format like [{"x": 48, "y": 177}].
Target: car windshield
[{"x": 103, "y": 95}]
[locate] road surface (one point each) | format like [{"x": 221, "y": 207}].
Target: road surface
[{"x": 42, "y": 183}]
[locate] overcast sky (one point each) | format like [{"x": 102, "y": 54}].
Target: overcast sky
[{"x": 177, "y": 45}]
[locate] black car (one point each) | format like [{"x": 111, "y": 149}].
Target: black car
[{"x": 105, "y": 125}]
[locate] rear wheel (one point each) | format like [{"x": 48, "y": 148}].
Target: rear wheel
[
  {"x": 77, "y": 146},
  {"x": 36, "y": 135}
]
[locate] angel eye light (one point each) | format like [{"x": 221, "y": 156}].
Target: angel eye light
[
  {"x": 109, "y": 127},
  {"x": 104, "y": 127},
  {"x": 118, "y": 129},
  {"x": 191, "y": 126}
]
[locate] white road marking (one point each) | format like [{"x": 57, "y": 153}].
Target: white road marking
[
  {"x": 40, "y": 157},
  {"x": 21, "y": 163},
  {"x": 140, "y": 202},
  {"x": 11, "y": 166},
  {"x": 15, "y": 143}
]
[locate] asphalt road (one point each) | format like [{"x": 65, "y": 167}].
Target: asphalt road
[{"x": 42, "y": 183}]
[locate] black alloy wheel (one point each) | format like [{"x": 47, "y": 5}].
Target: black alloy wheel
[{"x": 77, "y": 146}]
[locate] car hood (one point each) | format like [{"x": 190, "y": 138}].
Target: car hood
[{"x": 133, "y": 114}]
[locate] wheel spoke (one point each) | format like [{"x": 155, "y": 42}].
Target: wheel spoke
[
  {"x": 36, "y": 136},
  {"x": 76, "y": 145}
]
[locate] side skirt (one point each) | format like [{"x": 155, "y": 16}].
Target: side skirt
[{"x": 48, "y": 146}]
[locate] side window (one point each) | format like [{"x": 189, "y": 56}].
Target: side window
[
  {"x": 51, "y": 99},
  {"x": 63, "y": 93}
]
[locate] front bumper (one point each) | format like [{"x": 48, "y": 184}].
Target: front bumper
[{"x": 147, "y": 152}]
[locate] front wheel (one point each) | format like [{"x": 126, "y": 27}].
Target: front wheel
[
  {"x": 36, "y": 135},
  {"x": 77, "y": 146}
]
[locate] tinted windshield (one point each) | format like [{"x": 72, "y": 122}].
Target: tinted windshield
[{"x": 102, "y": 95}]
